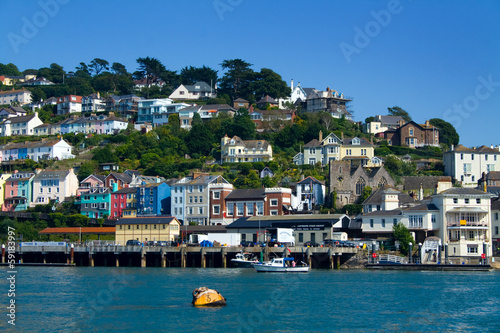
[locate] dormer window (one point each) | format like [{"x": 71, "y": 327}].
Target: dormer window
[{"x": 355, "y": 141}]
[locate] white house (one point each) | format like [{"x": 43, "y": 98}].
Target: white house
[
  {"x": 53, "y": 185},
  {"x": 383, "y": 123},
  {"x": 21, "y": 96},
  {"x": 38, "y": 150},
  {"x": 199, "y": 90},
  {"x": 495, "y": 226},
  {"x": 69, "y": 104},
  {"x": 467, "y": 165},
  {"x": 93, "y": 103},
  {"x": 23, "y": 125},
  {"x": 310, "y": 192}
]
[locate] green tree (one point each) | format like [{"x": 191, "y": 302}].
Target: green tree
[
  {"x": 200, "y": 140},
  {"x": 447, "y": 133},
  {"x": 190, "y": 75},
  {"x": 237, "y": 79},
  {"x": 243, "y": 126},
  {"x": 397, "y": 111},
  {"x": 268, "y": 82},
  {"x": 104, "y": 155},
  {"x": 98, "y": 65},
  {"x": 87, "y": 169},
  {"x": 402, "y": 234},
  {"x": 9, "y": 70}
]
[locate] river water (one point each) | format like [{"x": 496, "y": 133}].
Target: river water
[{"x": 133, "y": 299}]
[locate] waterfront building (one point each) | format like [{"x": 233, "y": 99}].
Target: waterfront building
[
  {"x": 153, "y": 199},
  {"x": 147, "y": 228},
  {"x": 495, "y": 225},
  {"x": 310, "y": 192},
  {"x": 124, "y": 203}
]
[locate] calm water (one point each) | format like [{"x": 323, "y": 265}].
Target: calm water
[{"x": 54, "y": 299}]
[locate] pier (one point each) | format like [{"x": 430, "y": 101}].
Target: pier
[{"x": 163, "y": 256}]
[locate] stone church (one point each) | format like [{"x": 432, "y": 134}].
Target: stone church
[{"x": 348, "y": 182}]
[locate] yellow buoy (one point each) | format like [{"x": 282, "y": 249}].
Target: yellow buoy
[{"x": 207, "y": 297}]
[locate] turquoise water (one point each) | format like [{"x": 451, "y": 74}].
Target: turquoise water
[{"x": 104, "y": 299}]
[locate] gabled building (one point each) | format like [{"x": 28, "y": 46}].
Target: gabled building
[
  {"x": 266, "y": 101},
  {"x": 96, "y": 203},
  {"x": 328, "y": 101},
  {"x": 92, "y": 181},
  {"x": 18, "y": 191},
  {"x": 53, "y": 186},
  {"x": 236, "y": 150},
  {"x": 383, "y": 123},
  {"x": 93, "y": 103},
  {"x": 3, "y": 179},
  {"x": 199, "y": 90},
  {"x": 124, "y": 203},
  {"x": 266, "y": 120},
  {"x": 299, "y": 94},
  {"x": 69, "y": 104},
  {"x": 117, "y": 181},
  {"x": 240, "y": 103},
  {"x": 468, "y": 165},
  {"x": 12, "y": 111},
  {"x": 413, "y": 135},
  {"x": 147, "y": 228},
  {"x": 36, "y": 150},
  {"x": 310, "y": 193},
  {"x": 153, "y": 199},
  {"x": 206, "y": 112},
  {"x": 20, "y": 125},
  {"x": 21, "y": 96}
]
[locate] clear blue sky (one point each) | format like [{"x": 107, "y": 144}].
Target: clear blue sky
[{"x": 435, "y": 59}]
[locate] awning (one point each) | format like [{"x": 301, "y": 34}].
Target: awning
[{"x": 467, "y": 210}]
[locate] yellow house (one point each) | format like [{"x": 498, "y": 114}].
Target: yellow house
[
  {"x": 236, "y": 150},
  {"x": 358, "y": 151},
  {"x": 150, "y": 228},
  {"x": 3, "y": 178}
]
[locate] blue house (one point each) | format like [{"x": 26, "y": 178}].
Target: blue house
[{"x": 153, "y": 199}]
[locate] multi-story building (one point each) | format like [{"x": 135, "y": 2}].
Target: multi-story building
[
  {"x": 310, "y": 193},
  {"x": 3, "y": 179},
  {"x": 199, "y": 90},
  {"x": 358, "y": 151},
  {"x": 206, "y": 113},
  {"x": 91, "y": 181},
  {"x": 413, "y": 135},
  {"x": 21, "y": 125},
  {"x": 328, "y": 101},
  {"x": 382, "y": 123},
  {"x": 467, "y": 165},
  {"x": 153, "y": 199},
  {"x": 93, "y": 103},
  {"x": 21, "y": 96},
  {"x": 148, "y": 107},
  {"x": 236, "y": 150},
  {"x": 12, "y": 111},
  {"x": 96, "y": 203},
  {"x": 123, "y": 203},
  {"x": 495, "y": 226},
  {"x": 69, "y": 104},
  {"x": 218, "y": 191},
  {"x": 117, "y": 181},
  {"x": 18, "y": 191},
  {"x": 53, "y": 186}
]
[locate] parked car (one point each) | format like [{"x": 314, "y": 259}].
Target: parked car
[
  {"x": 330, "y": 242},
  {"x": 161, "y": 243},
  {"x": 149, "y": 243},
  {"x": 246, "y": 244},
  {"x": 311, "y": 244},
  {"x": 133, "y": 242}
]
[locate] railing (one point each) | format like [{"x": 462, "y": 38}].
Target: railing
[
  {"x": 389, "y": 258},
  {"x": 468, "y": 224}
]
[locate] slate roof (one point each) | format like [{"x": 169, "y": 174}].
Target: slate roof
[
  {"x": 493, "y": 175},
  {"x": 427, "y": 182},
  {"x": 423, "y": 207},
  {"x": 52, "y": 174},
  {"x": 464, "y": 149},
  {"x": 121, "y": 176},
  {"x": 126, "y": 190},
  {"x": 393, "y": 212},
  {"x": 267, "y": 99},
  {"x": 285, "y": 221},
  {"x": 203, "y": 86},
  {"x": 246, "y": 194},
  {"x": 241, "y": 100},
  {"x": 312, "y": 144},
  {"x": 463, "y": 190},
  {"x": 391, "y": 120},
  {"x": 376, "y": 197},
  {"x": 20, "y": 119},
  {"x": 495, "y": 204},
  {"x": 310, "y": 179}
]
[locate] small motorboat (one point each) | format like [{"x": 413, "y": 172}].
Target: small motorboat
[
  {"x": 282, "y": 265},
  {"x": 244, "y": 260},
  {"x": 204, "y": 296}
]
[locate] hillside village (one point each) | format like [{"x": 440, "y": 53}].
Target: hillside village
[{"x": 212, "y": 156}]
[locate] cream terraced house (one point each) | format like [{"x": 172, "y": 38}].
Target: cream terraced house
[
  {"x": 53, "y": 185},
  {"x": 236, "y": 150}
]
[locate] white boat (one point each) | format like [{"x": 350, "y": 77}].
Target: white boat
[
  {"x": 282, "y": 265},
  {"x": 244, "y": 260}
]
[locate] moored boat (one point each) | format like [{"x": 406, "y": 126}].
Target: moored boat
[
  {"x": 282, "y": 265},
  {"x": 244, "y": 260}
]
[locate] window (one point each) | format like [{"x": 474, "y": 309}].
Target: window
[
  {"x": 371, "y": 223},
  {"x": 461, "y": 156},
  {"x": 416, "y": 221},
  {"x": 190, "y": 189},
  {"x": 472, "y": 249},
  {"x": 473, "y": 178},
  {"x": 190, "y": 199},
  {"x": 433, "y": 218},
  {"x": 383, "y": 223},
  {"x": 478, "y": 201},
  {"x": 260, "y": 208},
  {"x": 190, "y": 210},
  {"x": 239, "y": 208},
  {"x": 496, "y": 216},
  {"x": 230, "y": 210},
  {"x": 496, "y": 230},
  {"x": 216, "y": 210},
  {"x": 360, "y": 186},
  {"x": 301, "y": 237},
  {"x": 466, "y": 201},
  {"x": 395, "y": 221},
  {"x": 195, "y": 199},
  {"x": 455, "y": 200},
  {"x": 250, "y": 211},
  {"x": 216, "y": 194},
  {"x": 175, "y": 200},
  {"x": 137, "y": 227},
  {"x": 274, "y": 202},
  {"x": 200, "y": 188},
  {"x": 411, "y": 132},
  {"x": 471, "y": 234},
  {"x": 41, "y": 190},
  {"x": 116, "y": 205},
  {"x": 201, "y": 199},
  {"x": 472, "y": 157},
  {"x": 274, "y": 212},
  {"x": 200, "y": 210}
]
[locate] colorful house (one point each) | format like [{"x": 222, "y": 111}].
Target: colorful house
[
  {"x": 96, "y": 203},
  {"x": 123, "y": 203},
  {"x": 53, "y": 186},
  {"x": 151, "y": 228},
  {"x": 18, "y": 194},
  {"x": 153, "y": 199}
]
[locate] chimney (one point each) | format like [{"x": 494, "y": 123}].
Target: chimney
[
  {"x": 16, "y": 171},
  {"x": 320, "y": 135},
  {"x": 111, "y": 113},
  {"x": 291, "y": 85},
  {"x": 452, "y": 148},
  {"x": 427, "y": 124},
  {"x": 342, "y": 136}
]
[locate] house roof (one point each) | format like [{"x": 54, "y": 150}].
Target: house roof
[
  {"x": 391, "y": 120},
  {"x": 309, "y": 180},
  {"x": 126, "y": 190},
  {"x": 393, "y": 212},
  {"x": 246, "y": 194},
  {"x": 495, "y": 204},
  {"x": 146, "y": 220},
  {"x": 378, "y": 196},
  {"x": 241, "y": 100},
  {"x": 267, "y": 99},
  {"x": 121, "y": 176},
  {"x": 20, "y": 119},
  {"x": 362, "y": 142},
  {"x": 427, "y": 182},
  {"x": 52, "y": 174},
  {"x": 463, "y": 191},
  {"x": 286, "y": 220},
  {"x": 423, "y": 207},
  {"x": 313, "y": 143},
  {"x": 199, "y": 86},
  {"x": 100, "y": 178},
  {"x": 486, "y": 149},
  {"x": 493, "y": 175},
  {"x": 461, "y": 148}
]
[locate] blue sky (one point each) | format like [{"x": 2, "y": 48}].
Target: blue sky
[{"x": 435, "y": 59}]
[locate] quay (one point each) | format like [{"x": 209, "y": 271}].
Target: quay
[
  {"x": 428, "y": 267},
  {"x": 164, "y": 256}
]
